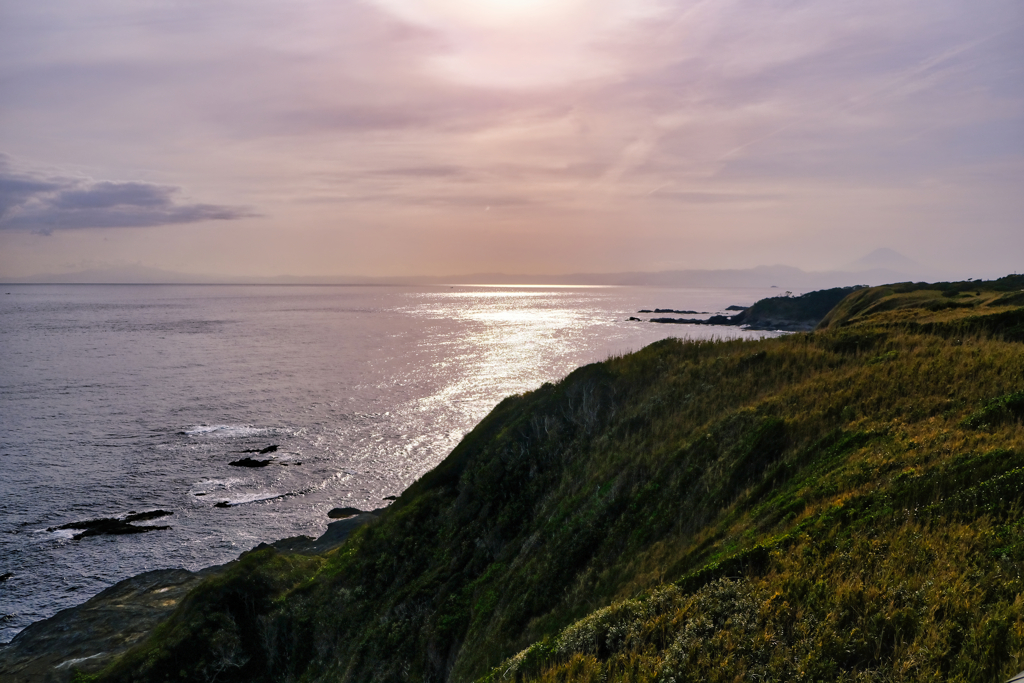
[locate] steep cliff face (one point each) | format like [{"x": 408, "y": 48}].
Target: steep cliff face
[{"x": 842, "y": 505}]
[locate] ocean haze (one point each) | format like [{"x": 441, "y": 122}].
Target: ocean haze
[{"x": 879, "y": 267}]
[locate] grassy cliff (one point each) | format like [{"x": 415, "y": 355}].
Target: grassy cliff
[{"x": 843, "y": 505}]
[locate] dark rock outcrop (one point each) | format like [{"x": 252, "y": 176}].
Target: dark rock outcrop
[
  {"x": 336, "y": 534},
  {"x": 786, "y": 313},
  {"x": 713, "y": 320},
  {"x": 114, "y": 526},
  {"x": 249, "y": 462},
  {"x": 144, "y": 516},
  {"x": 261, "y": 451},
  {"x": 340, "y": 513}
]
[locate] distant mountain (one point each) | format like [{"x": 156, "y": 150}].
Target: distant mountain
[
  {"x": 885, "y": 259},
  {"x": 783, "y": 277},
  {"x": 870, "y": 270},
  {"x": 129, "y": 274},
  {"x": 144, "y": 275}
]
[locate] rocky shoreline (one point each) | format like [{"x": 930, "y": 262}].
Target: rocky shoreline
[
  {"x": 88, "y": 637},
  {"x": 781, "y": 313}
]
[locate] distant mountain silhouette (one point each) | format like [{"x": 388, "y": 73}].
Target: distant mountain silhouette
[
  {"x": 881, "y": 266},
  {"x": 885, "y": 258}
]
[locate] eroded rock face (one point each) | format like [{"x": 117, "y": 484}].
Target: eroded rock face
[{"x": 89, "y": 636}]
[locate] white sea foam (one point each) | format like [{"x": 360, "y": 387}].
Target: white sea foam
[
  {"x": 64, "y": 533},
  {"x": 208, "y": 486},
  {"x": 256, "y": 498},
  {"x": 229, "y": 431}
]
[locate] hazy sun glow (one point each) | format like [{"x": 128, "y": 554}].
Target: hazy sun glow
[
  {"x": 443, "y": 137},
  {"x": 521, "y": 43},
  {"x": 487, "y": 14}
]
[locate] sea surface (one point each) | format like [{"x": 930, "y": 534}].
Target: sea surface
[{"x": 128, "y": 398}]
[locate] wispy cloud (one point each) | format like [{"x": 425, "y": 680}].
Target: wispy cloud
[
  {"x": 392, "y": 125},
  {"x": 43, "y": 204}
]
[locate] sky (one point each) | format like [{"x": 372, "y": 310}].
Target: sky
[{"x": 433, "y": 137}]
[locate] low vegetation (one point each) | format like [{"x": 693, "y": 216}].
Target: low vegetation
[{"x": 843, "y": 505}]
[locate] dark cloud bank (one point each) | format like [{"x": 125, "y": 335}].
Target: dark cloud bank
[{"x": 45, "y": 204}]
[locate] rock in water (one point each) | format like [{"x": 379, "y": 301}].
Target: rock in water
[
  {"x": 249, "y": 462},
  {"x": 339, "y": 513},
  {"x": 114, "y": 526},
  {"x": 262, "y": 452},
  {"x": 143, "y": 516}
]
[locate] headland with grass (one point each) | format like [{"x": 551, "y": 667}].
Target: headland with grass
[{"x": 840, "y": 505}]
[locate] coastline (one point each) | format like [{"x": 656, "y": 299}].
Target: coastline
[
  {"x": 89, "y": 636},
  {"x": 569, "y": 479}
]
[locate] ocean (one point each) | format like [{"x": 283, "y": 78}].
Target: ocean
[{"x": 117, "y": 399}]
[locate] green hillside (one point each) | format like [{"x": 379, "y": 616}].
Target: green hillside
[
  {"x": 843, "y": 505},
  {"x": 995, "y": 307}
]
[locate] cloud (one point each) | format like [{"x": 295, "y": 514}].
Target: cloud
[
  {"x": 45, "y": 204},
  {"x": 394, "y": 124},
  {"x": 731, "y": 198}
]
